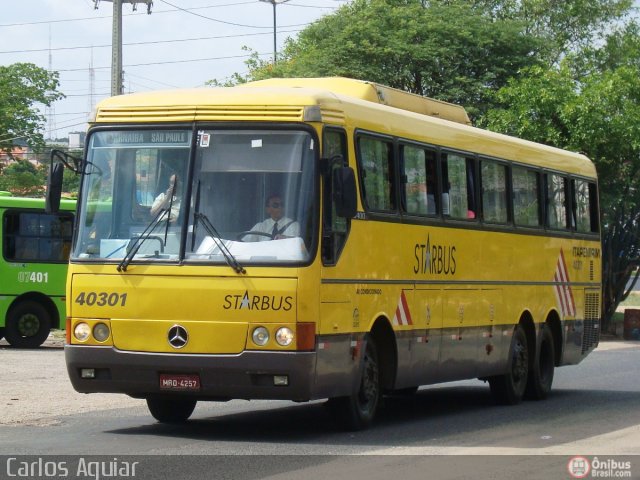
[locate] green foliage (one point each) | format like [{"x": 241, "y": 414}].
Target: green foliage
[
  {"x": 22, "y": 87},
  {"x": 451, "y": 51},
  {"x": 22, "y": 178},
  {"x": 590, "y": 103},
  {"x": 562, "y": 26}
]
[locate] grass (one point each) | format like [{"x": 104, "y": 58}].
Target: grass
[{"x": 633, "y": 300}]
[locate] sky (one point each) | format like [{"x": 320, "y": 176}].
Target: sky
[{"x": 181, "y": 44}]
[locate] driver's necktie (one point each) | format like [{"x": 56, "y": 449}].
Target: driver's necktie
[{"x": 274, "y": 232}]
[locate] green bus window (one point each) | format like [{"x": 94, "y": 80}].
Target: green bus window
[
  {"x": 526, "y": 206},
  {"x": 37, "y": 237}
]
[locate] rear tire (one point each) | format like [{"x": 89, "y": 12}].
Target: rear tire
[
  {"x": 508, "y": 389},
  {"x": 171, "y": 409},
  {"x": 1, "y": 333},
  {"x": 541, "y": 375},
  {"x": 28, "y": 325},
  {"x": 358, "y": 410}
]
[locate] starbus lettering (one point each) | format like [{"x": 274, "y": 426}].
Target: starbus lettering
[
  {"x": 434, "y": 259},
  {"x": 258, "y": 302}
]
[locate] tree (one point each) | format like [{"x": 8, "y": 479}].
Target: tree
[
  {"x": 562, "y": 26},
  {"x": 22, "y": 87},
  {"x": 451, "y": 51},
  {"x": 591, "y": 103},
  {"x": 23, "y": 178}
]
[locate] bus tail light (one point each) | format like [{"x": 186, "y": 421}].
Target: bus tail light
[{"x": 306, "y": 336}]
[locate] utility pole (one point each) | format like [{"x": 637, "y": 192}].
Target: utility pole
[
  {"x": 275, "y": 46},
  {"x": 116, "y": 41},
  {"x": 50, "y": 110}
]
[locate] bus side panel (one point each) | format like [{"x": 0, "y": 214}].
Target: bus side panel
[
  {"x": 582, "y": 335},
  {"x": 426, "y": 350},
  {"x": 460, "y": 336},
  {"x": 336, "y": 366}
]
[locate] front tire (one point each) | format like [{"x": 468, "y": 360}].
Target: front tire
[
  {"x": 541, "y": 375},
  {"x": 359, "y": 409},
  {"x": 508, "y": 389},
  {"x": 28, "y": 325},
  {"x": 171, "y": 409}
]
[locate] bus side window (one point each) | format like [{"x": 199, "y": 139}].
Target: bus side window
[
  {"x": 376, "y": 167},
  {"x": 526, "y": 187},
  {"x": 458, "y": 187},
  {"x": 419, "y": 179},
  {"x": 556, "y": 197},
  {"x": 37, "y": 237},
  {"x": 335, "y": 229},
  {"x": 494, "y": 192},
  {"x": 585, "y": 206}
]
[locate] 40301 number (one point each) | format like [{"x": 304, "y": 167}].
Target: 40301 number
[{"x": 101, "y": 299}]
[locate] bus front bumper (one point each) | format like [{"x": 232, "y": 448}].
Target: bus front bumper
[{"x": 248, "y": 375}]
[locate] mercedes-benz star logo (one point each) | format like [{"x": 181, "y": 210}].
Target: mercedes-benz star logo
[{"x": 178, "y": 336}]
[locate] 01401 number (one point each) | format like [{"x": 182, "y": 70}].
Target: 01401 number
[{"x": 101, "y": 299}]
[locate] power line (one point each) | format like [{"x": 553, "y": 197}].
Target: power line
[
  {"x": 166, "y": 62},
  {"x": 109, "y": 16},
  {"x": 154, "y": 42},
  {"x": 209, "y": 18},
  {"x": 156, "y": 12}
]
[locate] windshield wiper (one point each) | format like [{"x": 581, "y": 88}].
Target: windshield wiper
[
  {"x": 213, "y": 233},
  {"x": 145, "y": 235}
]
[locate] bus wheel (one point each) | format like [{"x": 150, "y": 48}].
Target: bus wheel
[
  {"x": 508, "y": 389},
  {"x": 541, "y": 376},
  {"x": 1, "y": 333},
  {"x": 28, "y": 325},
  {"x": 170, "y": 409},
  {"x": 359, "y": 409}
]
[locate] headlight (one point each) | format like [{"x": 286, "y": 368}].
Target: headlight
[
  {"x": 82, "y": 332},
  {"x": 284, "y": 336},
  {"x": 260, "y": 336},
  {"x": 101, "y": 332}
]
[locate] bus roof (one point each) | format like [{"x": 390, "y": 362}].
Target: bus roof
[
  {"x": 33, "y": 203},
  {"x": 339, "y": 101}
]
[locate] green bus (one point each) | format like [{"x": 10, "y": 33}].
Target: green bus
[{"x": 33, "y": 268}]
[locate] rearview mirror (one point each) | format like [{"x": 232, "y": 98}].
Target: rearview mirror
[
  {"x": 344, "y": 192},
  {"x": 54, "y": 188}
]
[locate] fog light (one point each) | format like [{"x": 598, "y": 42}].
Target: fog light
[
  {"x": 280, "y": 380},
  {"x": 260, "y": 336},
  {"x": 284, "y": 336},
  {"x": 101, "y": 332},
  {"x": 82, "y": 332},
  {"x": 87, "y": 373}
]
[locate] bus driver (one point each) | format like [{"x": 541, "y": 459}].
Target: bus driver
[{"x": 277, "y": 226}]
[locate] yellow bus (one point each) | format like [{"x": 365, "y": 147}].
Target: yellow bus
[{"x": 326, "y": 238}]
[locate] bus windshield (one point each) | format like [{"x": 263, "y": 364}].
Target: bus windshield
[{"x": 244, "y": 195}]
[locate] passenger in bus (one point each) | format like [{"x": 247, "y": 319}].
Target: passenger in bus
[
  {"x": 169, "y": 199},
  {"x": 277, "y": 226}
]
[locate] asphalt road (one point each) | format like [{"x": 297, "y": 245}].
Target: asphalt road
[{"x": 451, "y": 430}]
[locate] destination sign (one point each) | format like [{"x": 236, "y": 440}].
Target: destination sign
[{"x": 137, "y": 138}]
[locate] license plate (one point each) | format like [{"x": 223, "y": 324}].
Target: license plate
[{"x": 179, "y": 382}]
